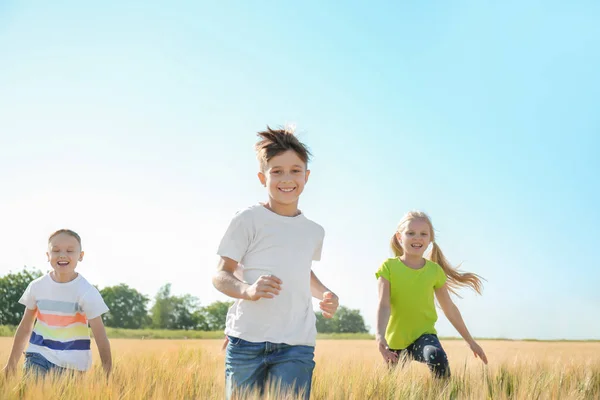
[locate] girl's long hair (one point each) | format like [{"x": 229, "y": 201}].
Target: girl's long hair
[{"x": 456, "y": 279}]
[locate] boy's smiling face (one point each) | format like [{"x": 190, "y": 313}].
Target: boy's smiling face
[
  {"x": 284, "y": 177},
  {"x": 64, "y": 252}
]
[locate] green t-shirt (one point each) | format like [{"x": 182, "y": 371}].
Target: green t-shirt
[{"x": 411, "y": 300}]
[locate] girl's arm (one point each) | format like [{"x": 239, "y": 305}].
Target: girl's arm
[
  {"x": 329, "y": 300},
  {"x": 383, "y": 317},
  {"x": 21, "y": 337},
  {"x": 102, "y": 342},
  {"x": 453, "y": 315}
]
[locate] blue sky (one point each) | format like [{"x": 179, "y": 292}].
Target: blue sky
[{"x": 133, "y": 124}]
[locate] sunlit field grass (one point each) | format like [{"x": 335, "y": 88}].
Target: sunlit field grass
[{"x": 346, "y": 369}]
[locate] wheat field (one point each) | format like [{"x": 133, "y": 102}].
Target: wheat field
[{"x": 346, "y": 369}]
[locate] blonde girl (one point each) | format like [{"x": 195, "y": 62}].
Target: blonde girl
[{"x": 408, "y": 282}]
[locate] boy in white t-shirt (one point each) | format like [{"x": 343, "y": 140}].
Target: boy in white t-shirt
[
  {"x": 266, "y": 264},
  {"x": 61, "y": 304}
]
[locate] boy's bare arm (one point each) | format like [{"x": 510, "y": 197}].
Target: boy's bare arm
[
  {"x": 266, "y": 286},
  {"x": 102, "y": 342},
  {"x": 329, "y": 300},
  {"x": 316, "y": 286},
  {"x": 21, "y": 337}
]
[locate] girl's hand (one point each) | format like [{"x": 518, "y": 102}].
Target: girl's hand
[
  {"x": 388, "y": 355},
  {"x": 329, "y": 304},
  {"x": 478, "y": 352}
]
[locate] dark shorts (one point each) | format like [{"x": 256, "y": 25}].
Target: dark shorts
[{"x": 426, "y": 349}]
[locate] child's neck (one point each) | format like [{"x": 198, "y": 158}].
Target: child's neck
[
  {"x": 63, "y": 278},
  {"x": 413, "y": 261},
  {"x": 286, "y": 210}
]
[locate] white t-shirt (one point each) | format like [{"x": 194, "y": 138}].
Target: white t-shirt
[
  {"x": 61, "y": 333},
  {"x": 266, "y": 243}
]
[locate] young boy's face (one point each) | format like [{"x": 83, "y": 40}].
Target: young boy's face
[
  {"x": 284, "y": 177},
  {"x": 64, "y": 253}
]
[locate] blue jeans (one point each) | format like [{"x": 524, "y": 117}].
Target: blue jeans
[
  {"x": 37, "y": 366},
  {"x": 255, "y": 366}
]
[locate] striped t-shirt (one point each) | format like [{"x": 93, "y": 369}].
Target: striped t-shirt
[{"x": 61, "y": 333}]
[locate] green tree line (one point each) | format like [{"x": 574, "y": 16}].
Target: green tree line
[{"x": 130, "y": 309}]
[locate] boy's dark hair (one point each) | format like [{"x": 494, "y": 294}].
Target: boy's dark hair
[
  {"x": 276, "y": 141},
  {"x": 65, "y": 231}
]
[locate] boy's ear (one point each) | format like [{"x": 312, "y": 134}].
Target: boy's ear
[
  {"x": 81, "y": 256},
  {"x": 306, "y": 175},
  {"x": 48, "y": 255},
  {"x": 262, "y": 178}
]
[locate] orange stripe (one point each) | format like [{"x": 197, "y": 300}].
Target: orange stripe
[{"x": 61, "y": 320}]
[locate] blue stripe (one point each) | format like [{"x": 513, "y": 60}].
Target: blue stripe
[
  {"x": 82, "y": 344},
  {"x": 60, "y": 306}
]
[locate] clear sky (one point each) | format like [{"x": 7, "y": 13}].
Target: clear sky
[{"x": 133, "y": 124}]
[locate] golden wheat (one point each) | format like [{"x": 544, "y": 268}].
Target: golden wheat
[{"x": 346, "y": 369}]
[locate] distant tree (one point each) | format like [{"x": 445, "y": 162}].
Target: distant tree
[
  {"x": 349, "y": 321},
  {"x": 162, "y": 308},
  {"x": 200, "y": 320},
  {"x": 127, "y": 307},
  {"x": 176, "y": 312},
  {"x": 12, "y": 286},
  {"x": 344, "y": 320},
  {"x": 187, "y": 313},
  {"x": 216, "y": 314},
  {"x": 324, "y": 325}
]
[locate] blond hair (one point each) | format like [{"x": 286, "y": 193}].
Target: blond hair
[
  {"x": 66, "y": 232},
  {"x": 456, "y": 279}
]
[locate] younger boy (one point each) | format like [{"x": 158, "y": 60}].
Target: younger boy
[{"x": 61, "y": 304}]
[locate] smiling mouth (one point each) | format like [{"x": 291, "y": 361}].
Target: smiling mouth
[
  {"x": 287, "y": 190},
  {"x": 416, "y": 246},
  {"x": 63, "y": 263}
]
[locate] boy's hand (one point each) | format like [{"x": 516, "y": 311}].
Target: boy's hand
[
  {"x": 266, "y": 286},
  {"x": 107, "y": 370},
  {"x": 329, "y": 304},
  {"x": 225, "y": 343},
  {"x": 8, "y": 370}
]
